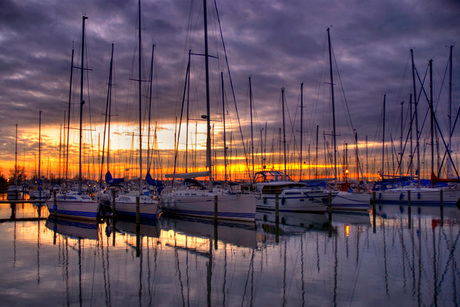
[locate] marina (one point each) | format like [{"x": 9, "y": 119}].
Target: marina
[
  {"x": 255, "y": 155},
  {"x": 388, "y": 257}
]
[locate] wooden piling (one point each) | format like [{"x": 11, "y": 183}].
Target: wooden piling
[
  {"x": 216, "y": 209},
  {"x": 138, "y": 214},
  {"x": 54, "y": 204}
]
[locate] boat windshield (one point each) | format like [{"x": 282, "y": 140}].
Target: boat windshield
[{"x": 270, "y": 176}]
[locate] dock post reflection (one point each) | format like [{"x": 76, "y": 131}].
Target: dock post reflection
[{"x": 13, "y": 211}]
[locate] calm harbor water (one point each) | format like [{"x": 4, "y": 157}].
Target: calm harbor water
[{"x": 384, "y": 259}]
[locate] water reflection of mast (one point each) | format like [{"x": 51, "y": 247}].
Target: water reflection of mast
[
  {"x": 419, "y": 283},
  {"x": 209, "y": 272},
  {"x": 66, "y": 266},
  {"x": 336, "y": 264},
  {"x": 284, "y": 274},
  {"x": 79, "y": 272},
  {"x": 224, "y": 301},
  {"x": 250, "y": 273},
  {"x": 139, "y": 249},
  {"x": 385, "y": 258},
  {"x": 302, "y": 275},
  {"x": 106, "y": 273},
  {"x": 179, "y": 274},
  {"x": 14, "y": 245},
  {"x": 38, "y": 248},
  {"x": 435, "y": 273}
]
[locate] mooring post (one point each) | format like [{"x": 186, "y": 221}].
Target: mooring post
[
  {"x": 54, "y": 204},
  {"x": 138, "y": 215},
  {"x": 277, "y": 207},
  {"x": 216, "y": 209}
]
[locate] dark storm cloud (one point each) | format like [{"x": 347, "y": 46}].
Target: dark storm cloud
[{"x": 278, "y": 43}]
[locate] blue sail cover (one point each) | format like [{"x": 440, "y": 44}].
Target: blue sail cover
[
  {"x": 112, "y": 181},
  {"x": 151, "y": 181}
]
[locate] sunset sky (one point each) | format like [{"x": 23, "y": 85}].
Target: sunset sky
[{"x": 279, "y": 44}]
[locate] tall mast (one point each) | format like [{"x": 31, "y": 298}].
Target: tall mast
[
  {"x": 150, "y": 107},
  {"x": 82, "y": 102},
  {"x": 401, "y": 141},
  {"x": 284, "y": 131},
  {"x": 39, "y": 143},
  {"x": 252, "y": 128},
  {"x": 430, "y": 62},
  {"x": 301, "y": 128},
  {"x": 316, "y": 152},
  {"x": 333, "y": 107},
  {"x": 383, "y": 136},
  {"x": 208, "y": 103},
  {"x": 449, "y": 165},
  {"x": 223, "y": 119},
  {"x": 16, "y": 158},
  {"x": 68, "y": 118},
  {"x": 411, "y": 165},
  {"x": 107, "y": 120},
  {"x": 140, "y": 99},
  {"x": 187, "y": 85},
  {"x": 417, "y": 137},
  {"x": 357, "y": 156}
]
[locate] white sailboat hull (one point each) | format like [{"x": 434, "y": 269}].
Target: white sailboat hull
[
  {"x": 239, "y": 207},
  {"x": 73, "y": 206},
  {"x": 294, "y": 200},
  {"x": 351, "y": 201},
  {"x": 419, "y": 197},
  {"x": 125, "y": 206}
]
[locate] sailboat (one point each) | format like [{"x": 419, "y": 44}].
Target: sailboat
[
  {"x": 348, "y": 199},
  {"x": 413, "y": 191},
  {"x": 292, "y": 196},
  {"x": 75, "y": 204},
  {"x": 196, "y": 198},
  {"x": 125, "y": 200},
  {"x": 38, "y": 192},
  {"x": 14, "y": 191}
]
